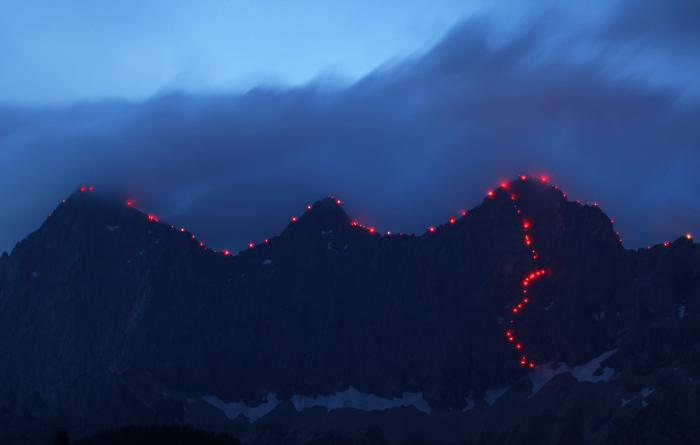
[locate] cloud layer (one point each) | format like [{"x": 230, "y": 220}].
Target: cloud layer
[{"x": 405, "y": 147}]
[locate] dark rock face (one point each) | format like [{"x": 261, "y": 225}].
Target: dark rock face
[
  {"x": 158, "y": 436},
  {"x": 110, "y": 319}
]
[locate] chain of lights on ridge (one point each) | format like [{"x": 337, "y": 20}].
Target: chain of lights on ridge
[{"x": 525, "y": 284}]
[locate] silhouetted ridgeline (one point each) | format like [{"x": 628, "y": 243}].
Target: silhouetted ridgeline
[{"x": 110, "y": 317}]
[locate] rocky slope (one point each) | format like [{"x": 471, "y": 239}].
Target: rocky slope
[{"x": 112, "y": 318}]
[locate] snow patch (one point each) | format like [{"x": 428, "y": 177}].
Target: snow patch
[
  {"x": 267, "y": 262},
  {"x": 598, "y": 317},
  {"x": 112, "y": 228},
  {"x": 549, "y": 306},
  {"x": 352, "y": 398},
  {"x": 643, "y": 394},
  {"x": 681, "y": 311},
  {"x": 494, "y": 394},
  {"x": 587, "y": 371},
  {"x": 582, "y": 373},
  {"x": 35, "y": 274},
  {"x": 235, "y": 409}
]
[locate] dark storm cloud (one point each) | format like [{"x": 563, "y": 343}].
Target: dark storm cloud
[{"x": 404, "y": 147}]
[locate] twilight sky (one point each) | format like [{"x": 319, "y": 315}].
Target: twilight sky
[{"x": 227, "y": 117}]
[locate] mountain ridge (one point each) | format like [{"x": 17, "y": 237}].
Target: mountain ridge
[{"x": 104, "y": 299}]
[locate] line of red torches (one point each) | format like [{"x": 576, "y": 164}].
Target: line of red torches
[
  {"x": 527, "y": 241},
  {"x": 370, "y": 229},
  {"x": 525, "y": 284}
]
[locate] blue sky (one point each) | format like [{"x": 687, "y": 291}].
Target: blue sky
[
  {"x": 228, "y": 117},
  {"x": 75, "y": 50}
]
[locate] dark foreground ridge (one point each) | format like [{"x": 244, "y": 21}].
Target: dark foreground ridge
[
  {"x": 166, "y": 435},
  {"x": 523, "y": 320}
]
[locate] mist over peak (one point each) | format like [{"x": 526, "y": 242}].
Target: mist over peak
[{"x": 404, "y": 146}]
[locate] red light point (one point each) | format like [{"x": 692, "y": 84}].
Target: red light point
[
  {"x": 431, "y": 229},
  {"x": 453, "y": 220},
  {"x": 91, "y": 188},
  {"x": 129, "y": 203},
  {"x": 82, "y": 189},
  {"x": 266, "y": 241},
  {"x": 338, "y": 201},
  {"x": 227, "y": 252},
  {"x": 544, "y": 179},
  {"x": 518, "y": 346},
  {"x": 152, "y": 217},
  {"x": 372, "y": 230},
  {"x": 523, "y": 177},
  {"x": 251, "y": 245},
  {"x": 504, "y": 185},
  {"x": 689, "y": 236},
  {"x": 463, "y": 213},
  {"x": 489, "y": 193},
  {"x": 182, "y": 229},
  {"x": 526, "y": 225},
  {"x": 354, "y": 224},
  {"x": 308, "y": 207},
  {"x": 666, "y": 244},
  {"x": 294, "y": 219},
  {"x": 532, "y": 365}
]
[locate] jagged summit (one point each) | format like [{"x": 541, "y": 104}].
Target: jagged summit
[
  {"x": 79, "y": 217},
  {"x": 556, "y": 215},
  {"x": 324, "y": 214},
  {"x": 87, "y": 206}
]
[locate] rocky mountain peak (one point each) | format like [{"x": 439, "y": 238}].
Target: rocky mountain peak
[{"x": 324, "y": 215}]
